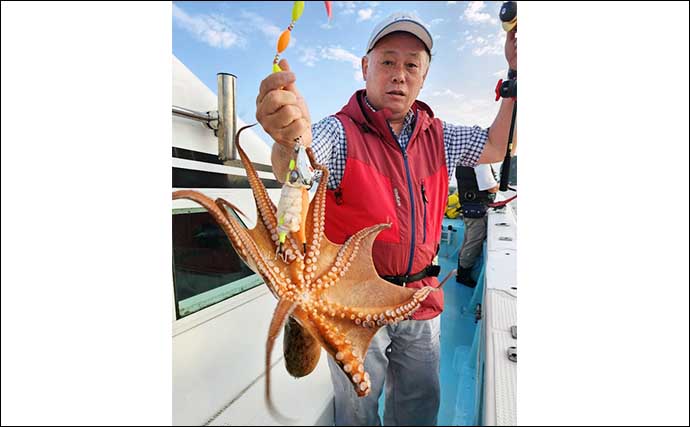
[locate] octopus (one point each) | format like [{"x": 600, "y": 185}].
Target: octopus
[{"x": 329, "y": 295}]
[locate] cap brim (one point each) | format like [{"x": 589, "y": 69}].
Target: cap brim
[
  {"x": 407, "y": 26},
  {"x": 508, "y": 26}
]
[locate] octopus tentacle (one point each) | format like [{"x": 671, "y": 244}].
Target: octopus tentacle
[
  {"x": 344, "y": 350},
  {"x": 372, "y": 317},
  {"x": 347, "y": 253},
  {"x": 264, "y": 205},
  {"x": 316, "y": 220},
  {"x": 312, "y": 160},
  {"x": 352, "y": 364},
  {"x": 239, "y": 238},
  {"x": 317, "y": 210},
  {"x": 224, "y": 204},
  {"x": 263, "y": 202},
  {"x": 280, "y": 316},
  {"x": 232, "y": 228},
  {"x": 448, "y": 276}
]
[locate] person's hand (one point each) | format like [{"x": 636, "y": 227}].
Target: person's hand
[
  {"x": 511, "y": 49},
  {"x": 281, "y": 110},
  {"x": 493, "y": 189}
]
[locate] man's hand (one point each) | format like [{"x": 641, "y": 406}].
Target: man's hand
[
  {"x": 493, "y": 189},
  {"x": 281, "y": 110},
  {"x": 511, "y": 49}
]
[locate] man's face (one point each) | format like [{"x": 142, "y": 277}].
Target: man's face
[{"x": 395, "y": 71}]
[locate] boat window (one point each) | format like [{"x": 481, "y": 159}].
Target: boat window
[{"x": 206, "y": 268}]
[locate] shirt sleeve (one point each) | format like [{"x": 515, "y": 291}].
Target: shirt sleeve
[
  {"x": 463, "y": 144},
  {"x": 329, "y": 145}
]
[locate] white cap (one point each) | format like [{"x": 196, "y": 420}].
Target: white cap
[{"x": 401, "y": 22}]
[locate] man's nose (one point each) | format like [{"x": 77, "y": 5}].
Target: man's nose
[{"x": 398, "y": 75}]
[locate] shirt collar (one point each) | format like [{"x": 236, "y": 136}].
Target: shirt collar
[{"x": 409, "y": 117}]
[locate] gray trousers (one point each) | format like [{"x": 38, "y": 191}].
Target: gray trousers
[
  {"x": 475, "y": 233},
  {"x": 407, "y": 356}
]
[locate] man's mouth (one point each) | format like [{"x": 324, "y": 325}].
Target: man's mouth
[{"x": 396, "y": 93}]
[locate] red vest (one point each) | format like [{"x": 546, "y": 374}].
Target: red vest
[{"x": 381, "y": 185}]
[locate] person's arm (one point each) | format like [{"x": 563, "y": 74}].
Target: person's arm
[
  {"x": 284, "y": 115},
  {"x": 496, "y": 145}
]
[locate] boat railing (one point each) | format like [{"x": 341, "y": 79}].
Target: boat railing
[{"x": 223, "y": 121}]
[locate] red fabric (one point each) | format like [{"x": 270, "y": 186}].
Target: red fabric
[
  {"x": 374, "y": 174},
  {"x": 502, "y": 203}
]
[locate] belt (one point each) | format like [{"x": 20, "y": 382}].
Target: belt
[{"x": 429, "y": 271}]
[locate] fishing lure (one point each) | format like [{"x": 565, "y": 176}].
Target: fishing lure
[
  {"x": 294, "y": 196},
  {"x": 292, "y": 208},
  {"x": 284, "y": 39}
]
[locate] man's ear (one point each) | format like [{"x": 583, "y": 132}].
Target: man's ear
[
  {"x": 428, "y": 65},
  {"x": 365, "y": 66}
]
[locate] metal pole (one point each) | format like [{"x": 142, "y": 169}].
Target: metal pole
[
  {"x": 227, "y": 117},
  {"x": 195, "y": 115}
]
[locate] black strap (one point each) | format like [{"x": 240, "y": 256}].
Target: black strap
[{"x": 428, "y": 271}]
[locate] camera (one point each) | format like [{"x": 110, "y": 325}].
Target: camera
[{"x": 508, "y": 89}]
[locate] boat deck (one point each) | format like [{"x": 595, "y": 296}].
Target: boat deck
[{"x": 460, "y": 337}]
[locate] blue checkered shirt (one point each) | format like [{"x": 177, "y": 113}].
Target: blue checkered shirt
[{"x": 463, "y": 144}]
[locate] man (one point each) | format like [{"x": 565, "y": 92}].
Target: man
[
  {"x": 389, "y": 160},
  {"x": 476, "y": 186}
]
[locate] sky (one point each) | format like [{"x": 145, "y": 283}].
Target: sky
[{"x": 240, "y": 38}]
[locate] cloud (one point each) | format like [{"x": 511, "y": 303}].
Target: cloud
[
  {"x": 364, "y": 14},
  {"x": 340, "y": 54},
  {"x": 212, "y": 30},
  {"x": 468, "y": 112},
  {"x": 267, "y": 28},
  {"x": 347, "y": 7},
  {"x": 473, "y": 13},
  {"x": 452, "y": 2},
  {"x": 491, "y": 44},
  {"x": 309, "y": 56},
  {"x": 446, "y": 93},
  {"x": 500, "y": 73},
  {"x": 434, "y": 23}
]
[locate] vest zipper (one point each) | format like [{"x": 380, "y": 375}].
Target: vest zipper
[
  {"x": 426, "y": 201},
  {"x": 411, "y": 192}
]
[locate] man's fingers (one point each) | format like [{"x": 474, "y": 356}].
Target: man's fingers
[
  {"x": 289, "y": 133},
  {"x": 275, "y": 100},
  {"x": 273, "y": 82},
  {"x": 285, "y": 116},
  {"x": 280, "y": 109},
  {"x": 283, "y": 64}
]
